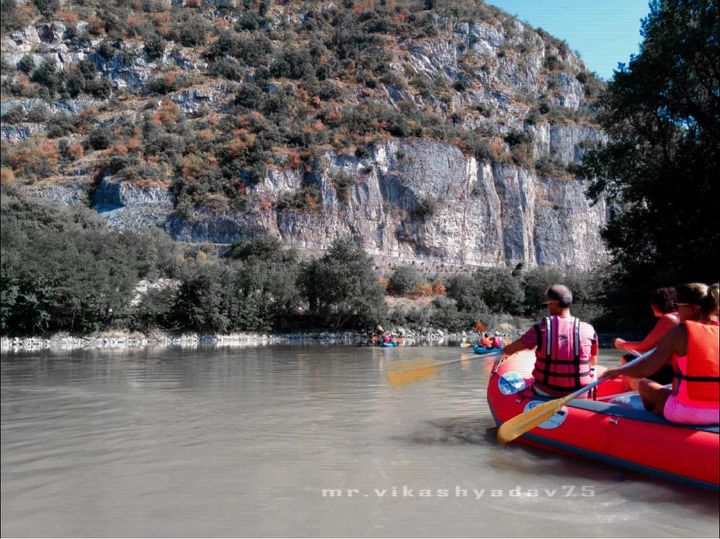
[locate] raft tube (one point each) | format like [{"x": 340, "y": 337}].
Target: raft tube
[
  {"x": 479, "y": 349},
  {"x": 613, "y": 429}
]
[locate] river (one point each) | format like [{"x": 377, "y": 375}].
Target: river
[{"x": 255, "y": 442}]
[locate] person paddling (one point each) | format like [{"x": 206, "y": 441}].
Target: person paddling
[
  {"x": 662, "y": 303},
  {"x": 693, "y": 349},
  {"x": 497, "y": 340},
  {"x": 565, "y": 347}
]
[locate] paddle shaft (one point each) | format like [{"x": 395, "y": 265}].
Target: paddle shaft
[
  {"x": 444, "y": 363},
  {"x": 600, "y": 380},
  {"x": 471, "y": 357}
]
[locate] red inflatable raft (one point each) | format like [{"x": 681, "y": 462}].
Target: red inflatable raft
[{"x": 613, "y": 428}]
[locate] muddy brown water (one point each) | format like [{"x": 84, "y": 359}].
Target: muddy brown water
[{"x": 295, "y": 441}]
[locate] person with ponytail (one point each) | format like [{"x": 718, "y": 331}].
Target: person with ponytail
[{"x": 693, "y": 349}]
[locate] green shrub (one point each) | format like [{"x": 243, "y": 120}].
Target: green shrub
[
  {"x": 193, "y": 31},
  {"x": 154, "y": 47},
  {"x": 343, "y": 182},
  {"x": 404, "y": 280},
  {"x": 100, "y": 138},
  {"x": 305, "y": 199},
  {"x": 9, "y": 20},
  {"x": 26, "y": 64},
  {"x": 47, "y": 75},
  {"x": 227, "y": 68},
  {"x": 60, "y": 124},
  {"x": 100, "y": 88},
  {"x": 46, "y": 7},
  {"x": 445, "y": 314},
  {"x": 14, "y": 115},
  {"x": 427, "y": 206},
  {"x": 74, "y": 82}
]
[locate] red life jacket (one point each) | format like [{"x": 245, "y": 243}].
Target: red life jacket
[
  {"x": 561, "y": 364},
  {"x": 699, "y": 375}
]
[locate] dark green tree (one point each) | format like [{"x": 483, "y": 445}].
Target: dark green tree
[
  {"x": 495, "y": 289},
  {"x": 63, "y": 270},
  {"x": 341, "y": 288},
  {"x": 658, "y": 171},
  {"x": 264, "y": 283},
  {"x": 202, "y": 303}
]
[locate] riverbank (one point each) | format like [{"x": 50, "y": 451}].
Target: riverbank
[{"x": 158, "y": 339}]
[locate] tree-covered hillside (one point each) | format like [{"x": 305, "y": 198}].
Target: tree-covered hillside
[{"x": 207, "y": 96}]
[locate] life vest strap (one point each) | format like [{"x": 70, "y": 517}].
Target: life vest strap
[
  {"x": 566, "y": 389},
  {"x": 571, "y": 375},
  {"x": 682, "y": 376},
  {"x": 566, "y": 361}
]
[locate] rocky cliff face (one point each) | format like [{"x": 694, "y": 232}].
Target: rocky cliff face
[
  {"x": 423, "y": 201},
  {"x": 420, "y": 202}
]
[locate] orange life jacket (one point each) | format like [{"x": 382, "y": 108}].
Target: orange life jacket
[
  {"x": 485, "y": 341},
  {"x": 701, "y": 375}
]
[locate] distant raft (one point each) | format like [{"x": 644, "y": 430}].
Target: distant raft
[
  {"x": 614, "y": 429},
  {"x": 479, "y": 349}
]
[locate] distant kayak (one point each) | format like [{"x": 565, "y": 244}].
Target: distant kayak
[
  {"x": 483, "y": 350},
  {"x": 391, "y": 344}
]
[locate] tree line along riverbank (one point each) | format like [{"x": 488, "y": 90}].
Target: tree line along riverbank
[{"x": 63, "y": 270}]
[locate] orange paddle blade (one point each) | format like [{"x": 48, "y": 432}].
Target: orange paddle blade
[
  {"x": 410, "y": 370},
  {"x": 525, "y": 422}
]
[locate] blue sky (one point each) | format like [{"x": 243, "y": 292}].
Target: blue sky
[{"x": 604, "y": 32}]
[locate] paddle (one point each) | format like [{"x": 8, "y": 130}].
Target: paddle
[
  {"x": 411, "y": 370},
  {"x": 520, "y": 424}
]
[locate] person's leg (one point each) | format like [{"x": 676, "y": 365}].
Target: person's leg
[
  {"x": 632, "y": 383},
  {"x": 653, "y": 395}
]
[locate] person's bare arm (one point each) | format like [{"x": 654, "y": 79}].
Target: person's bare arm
[
  {"x": 661, "y": 328},
  {"x": 668, "y": 345},
  {"x": 514, "y": 347}
]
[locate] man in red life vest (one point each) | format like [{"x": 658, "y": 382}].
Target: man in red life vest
[{"x": 565, "y": 348}]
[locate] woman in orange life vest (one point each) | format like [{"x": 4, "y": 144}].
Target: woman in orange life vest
[
  {"x": 662, "y": 303},
  {"x": 565, "y": 348},
  {"x": 693, "y": 348}
]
